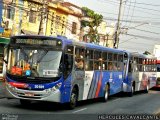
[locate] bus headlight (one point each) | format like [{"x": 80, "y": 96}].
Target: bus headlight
[{"x": 56, "y": 87}]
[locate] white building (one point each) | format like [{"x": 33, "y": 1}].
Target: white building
[
  {"x": 106, "y": 33},
  {"x": 74, "y": 21}
]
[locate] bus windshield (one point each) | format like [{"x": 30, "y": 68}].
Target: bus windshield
[{"x": 33, "y": 62}]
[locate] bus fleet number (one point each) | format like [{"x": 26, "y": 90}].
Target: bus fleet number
[{"x": 38, "y": 86}]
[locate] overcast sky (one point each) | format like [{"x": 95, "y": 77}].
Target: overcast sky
[{"x": 141, "y": 17}]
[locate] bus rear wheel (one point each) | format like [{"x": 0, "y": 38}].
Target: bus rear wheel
[
  {"x": 25, "y": 102},
  {"x": 73, "y": 99},
  {"x": 106, "y": 94}
]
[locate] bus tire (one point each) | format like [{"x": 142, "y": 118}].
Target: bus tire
[
  {"x": 106, "y": 94},
  {"x": 73, "y": 99},
  {"x": 130, "y": 94},
  {"x": 25, "y": 102}
]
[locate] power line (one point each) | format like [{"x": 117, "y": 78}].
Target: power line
[
  {"x": 132, "y": 12},
  {"x": 127, "y": 15},
  {"x": 144, "y": 37},
  {"x": 128, "y": 11},
  {"x": 137, "y": 21},
  {"x": 147, "y": 4},
  {"x": 136, "y": 6},
  {"x": 116, "y": 3},
  {"x": 147, "y": 31}
]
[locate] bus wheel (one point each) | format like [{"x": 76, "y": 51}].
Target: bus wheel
[
  {"x": 106, "y": 94},
  {"x": 130, "y": 94},
  {"x": 73, "y": 99},
  {"x": 25, "y": 102}
]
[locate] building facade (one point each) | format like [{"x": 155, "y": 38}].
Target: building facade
[{"x": 74, "y": 21}]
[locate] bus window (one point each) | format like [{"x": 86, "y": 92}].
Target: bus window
[
  {"x": 104, "y": 60},
  {"x": 89, "y": 60},
  {"x": 115, "y": 57},
  {"x": 89, "y": 54},
  {"x": 104, "y": 55},
  {"x": 110, "y": 66},
  {"x": 120, "y": 58},
  {"x": 158, "y": 67},
  {"x": 115, "y": 66},
  {"x": 89, "y": 65},
  {"x": 120, "y": 66},
  {"x": 97, "y": 60},
  {"x": 79, "y": 58},
  {"x": 69, "y": 50},
  {"x": 68, "y": 63},
  {"x": 110, "y": 58}
]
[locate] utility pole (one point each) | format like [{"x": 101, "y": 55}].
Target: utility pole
[
  {"x": 117, "y": 32},
  {"x": 43, "y": 19}
]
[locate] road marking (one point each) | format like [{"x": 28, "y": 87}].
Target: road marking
[{"x": 79, "y": 110}]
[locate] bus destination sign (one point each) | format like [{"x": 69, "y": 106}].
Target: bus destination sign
[{"x": 53, "y": 42}]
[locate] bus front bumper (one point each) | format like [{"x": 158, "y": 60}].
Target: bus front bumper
[{"x": 43, "y": 95}]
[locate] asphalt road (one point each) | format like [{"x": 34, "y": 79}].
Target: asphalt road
[{"x": 140, "y": 103}]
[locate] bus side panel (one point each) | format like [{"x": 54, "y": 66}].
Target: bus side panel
[
  {"x": 127, "y": 82},
  {"x": 66, "y": 90},
  {"x": 116, "y": 82},
  {"x": 93, "y": 86},
  {"x": 99, "y": 81},
  {"x": 87, "y": 83}
]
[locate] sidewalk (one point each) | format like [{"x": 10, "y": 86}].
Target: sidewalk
[{"x": 1, "y": 89}]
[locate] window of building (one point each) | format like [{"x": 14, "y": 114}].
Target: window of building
[
  {"x": 10, "y": 12},
  {"x": 74, "y": 27},
  {"x": 58, "y": 21},
  {"x": 32, "y": 16}
]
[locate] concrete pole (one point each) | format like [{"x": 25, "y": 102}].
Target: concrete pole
[{"x": 117, "y": 32}]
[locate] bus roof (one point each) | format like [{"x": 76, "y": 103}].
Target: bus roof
[
  {"x": 136, "y": 54},
  {"x": 88, "y": 45}
]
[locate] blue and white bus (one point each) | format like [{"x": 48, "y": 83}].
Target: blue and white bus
[
  {"x": 140, "y": 73},
  {"x": 41, "y": 68}
]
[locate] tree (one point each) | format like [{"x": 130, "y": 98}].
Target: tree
[{"x": 93, "y": 25}]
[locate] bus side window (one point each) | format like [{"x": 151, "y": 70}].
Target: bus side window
[
  {"x": 68, "y": 61},
  {"x": 89, "y": 60}
]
